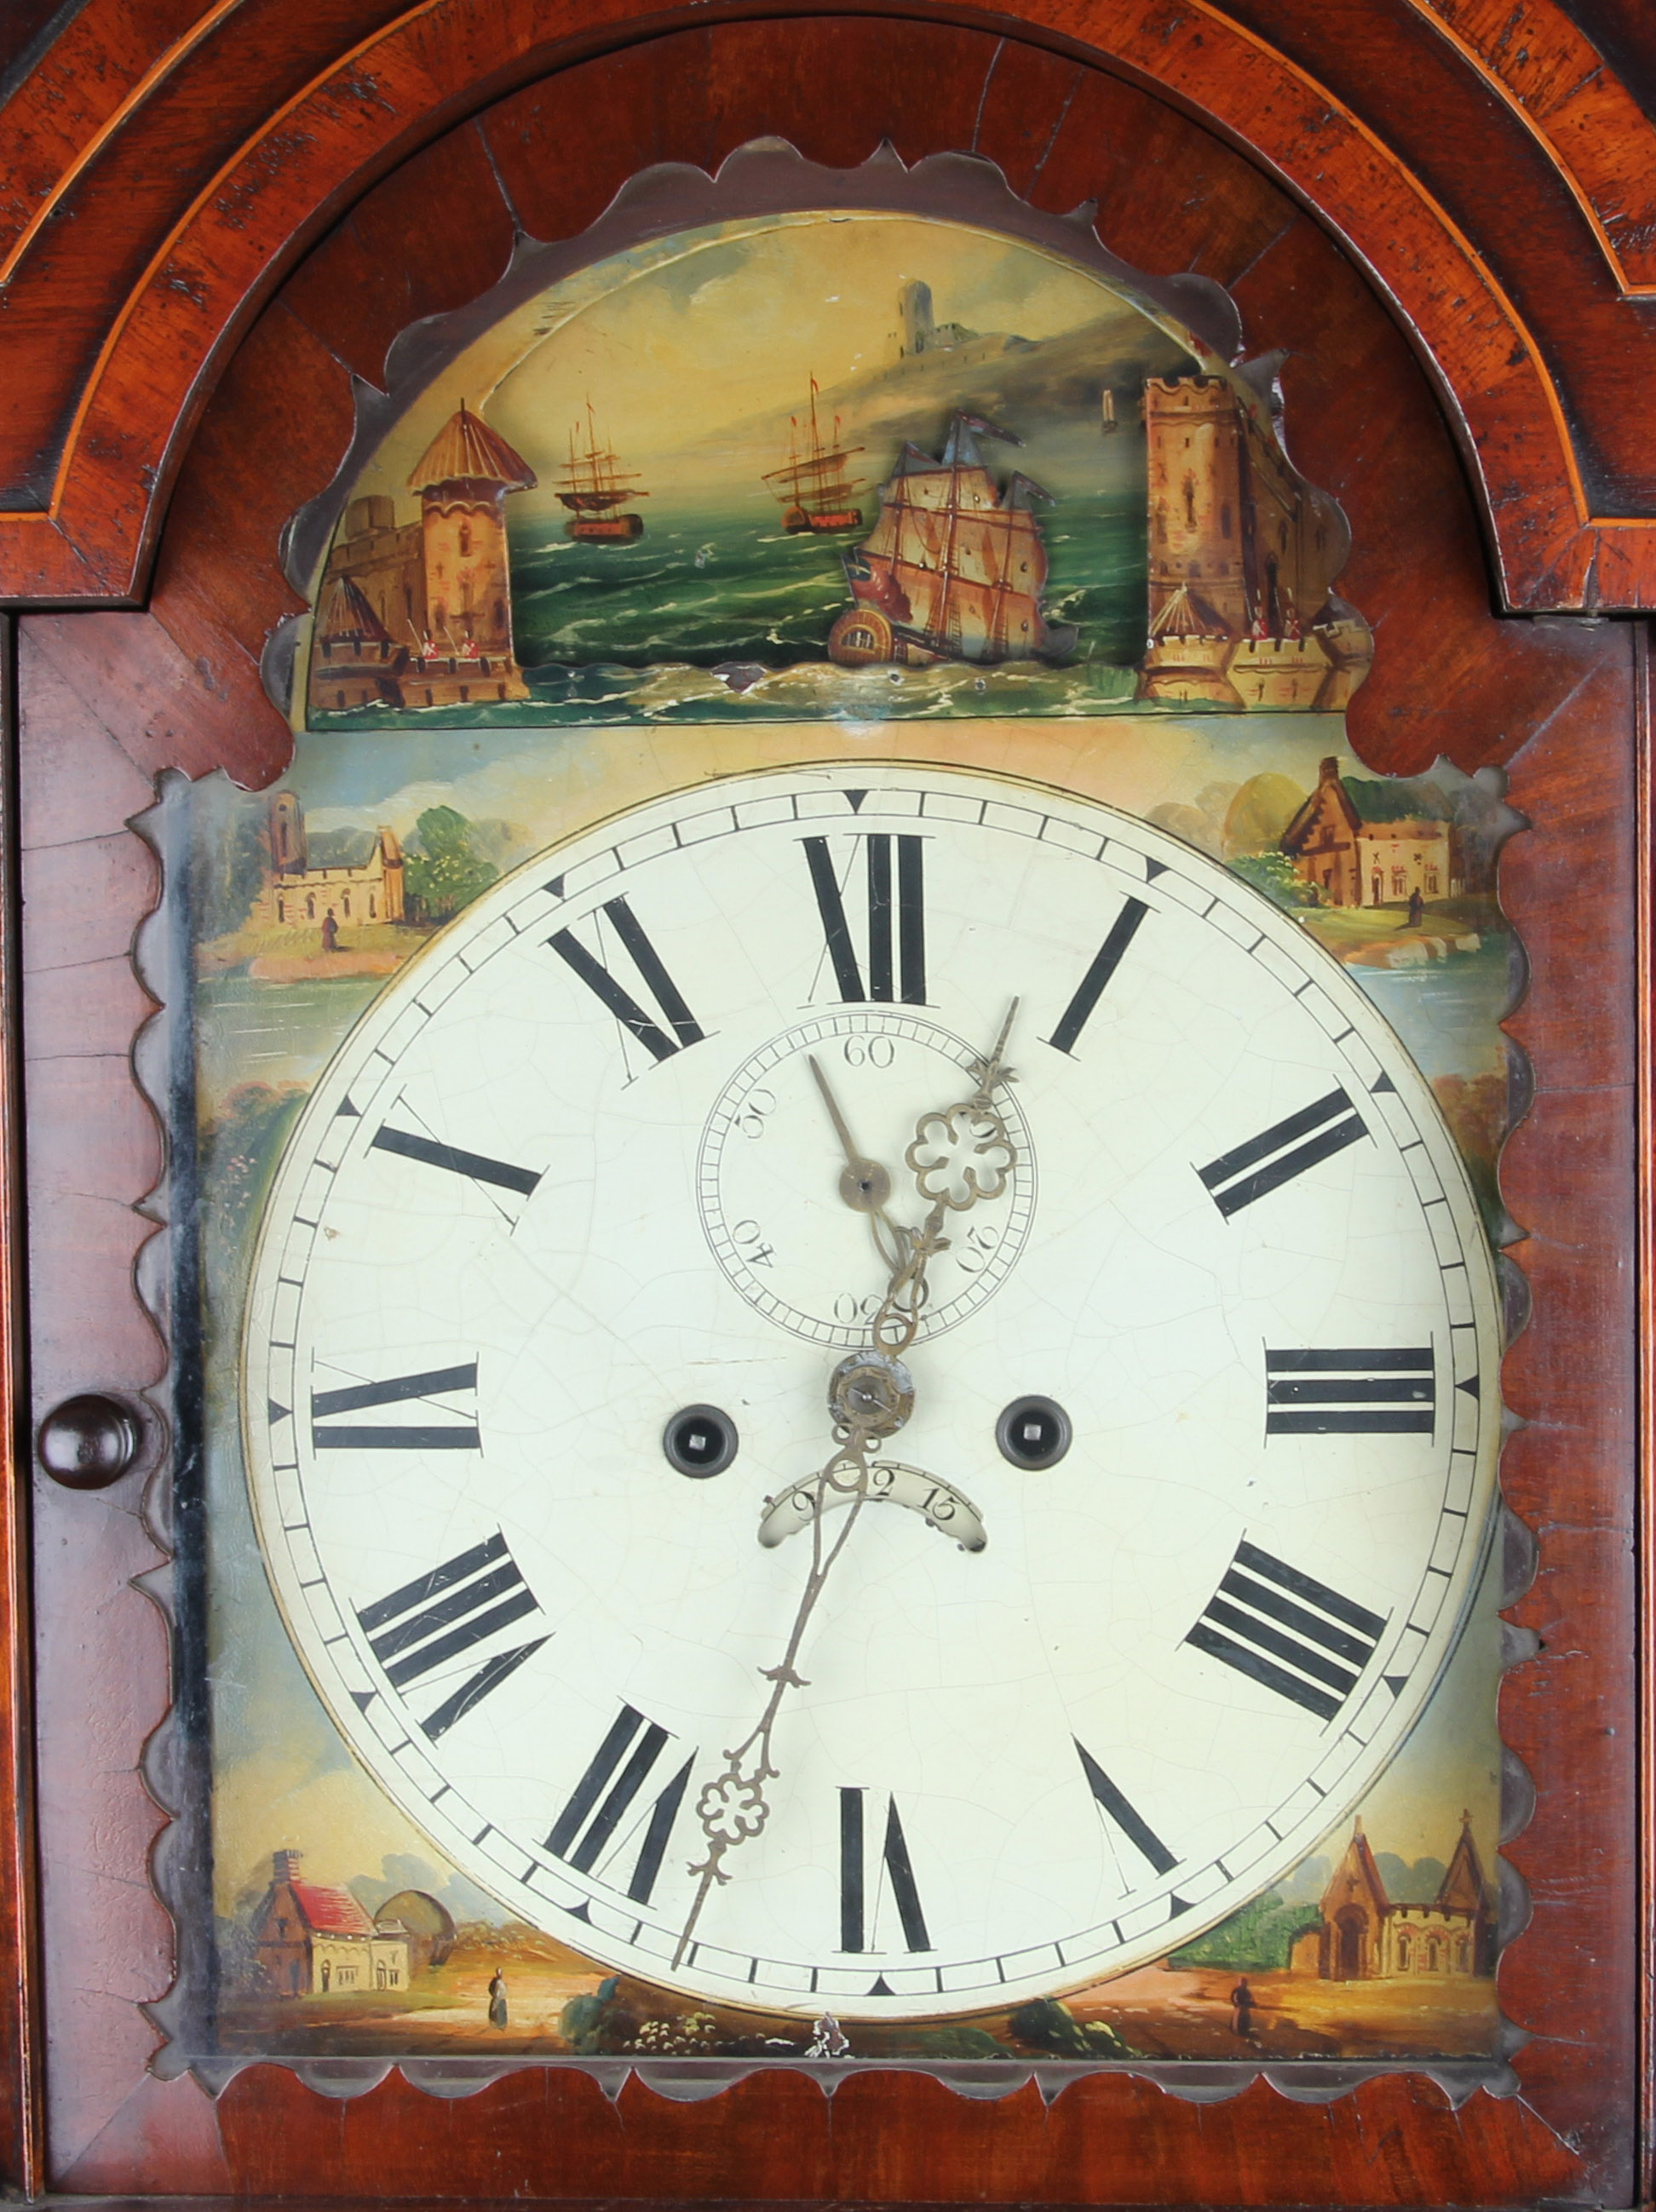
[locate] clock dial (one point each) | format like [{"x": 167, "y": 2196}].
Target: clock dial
[{"x": 1193, "y": 1455}]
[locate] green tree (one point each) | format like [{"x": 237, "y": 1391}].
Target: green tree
[
  {"x": 1261, "y": 811},
  {"x": 443, "y": 871},
  {"x": 1276, "y": 875},
  {"x": 1257, "y": 1939},
  {"x": 231, "y": 869}
]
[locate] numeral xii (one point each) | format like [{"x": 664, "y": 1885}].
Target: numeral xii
[{"x": 895, "y": 926}]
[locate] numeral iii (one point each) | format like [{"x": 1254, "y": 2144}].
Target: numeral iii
[{"x": 1350, "y": 1394}]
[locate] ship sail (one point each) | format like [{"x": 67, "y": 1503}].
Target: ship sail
[
  {"x": 814, "y": 486},
  {"x": 594, "y": 484},
  {"x": 953, "y": 569}
]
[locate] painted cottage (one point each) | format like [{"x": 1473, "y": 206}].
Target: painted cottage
[
  {"x": 312, "y": 1940},
  {"x": 1372, "y": 844}
]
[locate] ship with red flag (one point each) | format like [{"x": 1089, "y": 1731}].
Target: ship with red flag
[
  {"x": 814, "y": 486},
  {"x": 954, "y": 567},
  {"x": 594, "y": 485}
]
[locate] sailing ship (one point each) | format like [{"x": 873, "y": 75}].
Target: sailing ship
[
  {"x": 953, "y": 569},
  {"x": 594, "y": 485},
  {"x": 815, "y": 492},
  {"x": 1107, "y": 421}
]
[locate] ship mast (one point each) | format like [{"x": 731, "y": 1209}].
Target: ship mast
[
  {"x": 594, "y": 480},
  {"x": 818, "y": 485}
]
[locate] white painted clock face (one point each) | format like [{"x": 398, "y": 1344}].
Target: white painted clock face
[{"x": 572, "y": 1175}]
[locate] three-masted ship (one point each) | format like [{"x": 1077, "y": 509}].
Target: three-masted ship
[
  {"x": 814, "y": 486},
  {"x": 594, "y": 485},
  {"x": 954, "y": 569}
]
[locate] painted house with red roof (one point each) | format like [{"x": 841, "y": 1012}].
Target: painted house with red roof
[{"x": 313, "y": 1941}]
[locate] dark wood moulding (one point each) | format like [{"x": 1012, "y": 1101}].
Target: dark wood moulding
[{"x": 182, "y": 336}]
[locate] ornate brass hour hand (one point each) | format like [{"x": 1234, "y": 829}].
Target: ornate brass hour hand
[
  {"x": 732, "y": 1807},
  {"x": 964, "y": 1152}
]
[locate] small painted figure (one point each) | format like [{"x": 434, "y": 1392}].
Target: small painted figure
[
  {"x": 1242, "y": 2008},
  {"x": 330, "y": 932},
  {"x": 497, "y": 1999},
  {"x": 1416, "y": 908}
]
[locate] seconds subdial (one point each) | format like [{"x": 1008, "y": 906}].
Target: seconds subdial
[{"x": 768, "y": 1189}]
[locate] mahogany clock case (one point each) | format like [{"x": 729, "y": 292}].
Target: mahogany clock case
[{"x": 1556, "y": 701}]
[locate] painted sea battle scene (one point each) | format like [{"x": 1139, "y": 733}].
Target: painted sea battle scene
[
  {"x": 663, "y": 522},
  {"x": 871, "y": 469}
]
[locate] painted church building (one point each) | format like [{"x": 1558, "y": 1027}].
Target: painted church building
[{"x": 1366, "y": 1937}]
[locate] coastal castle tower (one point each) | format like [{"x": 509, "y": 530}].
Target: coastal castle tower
[
  {"x": 1242, "y": 553},
  {"x": 419, "y": 613},
  {"x": 915, "y": 306},
  {"x": 462, "y": 478}
]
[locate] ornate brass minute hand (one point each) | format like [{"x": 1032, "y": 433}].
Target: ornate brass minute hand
[
  {"x": 732, "y": 1807},
  {"x": 971, "y": 1154}
]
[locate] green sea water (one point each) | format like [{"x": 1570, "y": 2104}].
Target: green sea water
[{"x": 725, "y": 618}]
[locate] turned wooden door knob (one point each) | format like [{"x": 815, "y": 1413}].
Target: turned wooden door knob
[{"x": 88, "y": 1441}]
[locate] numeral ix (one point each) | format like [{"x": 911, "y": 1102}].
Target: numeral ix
[
  {"x": 1285, "y": 1629},
  {"x": 444, "y": 1613}
]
